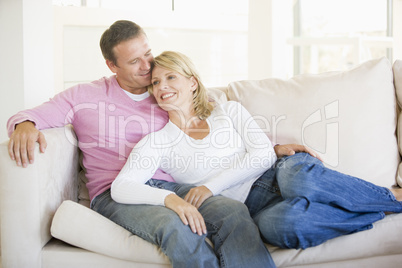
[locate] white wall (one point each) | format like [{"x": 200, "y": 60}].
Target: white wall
[
  {"x": 270, "y": 25},
  {"x": 26, "y": 52},
  {"x": 397, "y": 29},
  {"x": 217, "y": 46}
]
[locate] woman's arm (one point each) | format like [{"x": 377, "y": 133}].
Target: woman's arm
[{"x": 129, "y": 186}]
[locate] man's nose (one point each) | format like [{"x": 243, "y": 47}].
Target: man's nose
[{"x": 145, "y": 65}]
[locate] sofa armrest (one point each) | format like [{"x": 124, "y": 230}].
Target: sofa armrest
[{"x": 30, "y": 196}]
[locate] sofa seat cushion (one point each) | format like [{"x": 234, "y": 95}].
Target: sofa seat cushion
[
  {"x": 81, "y": 227},
  {"x": 61, "y": 255},
  {"x": 348, "y": 117}
]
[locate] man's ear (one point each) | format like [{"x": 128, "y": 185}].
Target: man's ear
[{"x": 111, "y": 66}]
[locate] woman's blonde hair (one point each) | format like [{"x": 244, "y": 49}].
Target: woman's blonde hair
[{"x": 180, "y": 63}]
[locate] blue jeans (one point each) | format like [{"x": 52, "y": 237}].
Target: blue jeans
[
  {"x": 236, "y": 239},
  {"x": 299, "y": 203}
]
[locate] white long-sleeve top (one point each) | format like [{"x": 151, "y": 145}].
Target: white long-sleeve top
[{"x": 234, "y": 154}]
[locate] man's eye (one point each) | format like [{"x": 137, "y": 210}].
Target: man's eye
[{"x": 134, "y": 61}]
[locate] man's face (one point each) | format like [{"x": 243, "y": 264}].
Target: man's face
[{"x": 133, "y": 64}]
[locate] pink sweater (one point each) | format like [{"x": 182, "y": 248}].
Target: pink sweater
[{"x": 108, "y": 124}]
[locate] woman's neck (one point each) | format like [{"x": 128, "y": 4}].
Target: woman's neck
[{"x": 190, "y": 123}]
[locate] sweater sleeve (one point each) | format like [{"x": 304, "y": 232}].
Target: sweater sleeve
[
  {"x": 129, "y": 186},
  {"x": 56, "y": 112},
  {"x": 259, "y": 155}
]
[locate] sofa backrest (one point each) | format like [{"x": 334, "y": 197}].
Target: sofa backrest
[{"x": 348, "y": 117}]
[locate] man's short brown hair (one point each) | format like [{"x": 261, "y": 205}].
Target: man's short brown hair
[{"x": 121, "y": 30}]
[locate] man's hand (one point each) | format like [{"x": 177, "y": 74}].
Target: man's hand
[
  {"x": 291, "y": 149},
  {"x": 197, "y": 195},
  {"x": 188, "y": 214},
  {"x": 22, "y": 143}
]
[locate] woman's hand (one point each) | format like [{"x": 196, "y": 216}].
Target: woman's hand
[
  {"x": 197, "y": 195},
  {"x": 291, "y": 149},
  {"x": 187, "y": 213}
]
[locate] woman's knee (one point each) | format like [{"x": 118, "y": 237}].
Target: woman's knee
[{"x": 297, "y": 173}]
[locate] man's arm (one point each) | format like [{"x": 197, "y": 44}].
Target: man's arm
[
  {"x": 22, "y": 143},
  {"x": 23, "y": 128}
]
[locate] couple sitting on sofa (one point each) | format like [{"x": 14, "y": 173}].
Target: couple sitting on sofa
[{"x": 242, "y": 185}]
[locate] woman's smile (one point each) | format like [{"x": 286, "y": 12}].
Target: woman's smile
[{"x": 167, "y": 95}]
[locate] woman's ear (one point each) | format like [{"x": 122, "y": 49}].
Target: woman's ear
[{"x": 194, "y": 83}]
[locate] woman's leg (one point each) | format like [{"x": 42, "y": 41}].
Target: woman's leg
[
  {"x": 302, "y": 175},
  {"x": 320, "y": 204},
  {"x": 299, "y": 223}
]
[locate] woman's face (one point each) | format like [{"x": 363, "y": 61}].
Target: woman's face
[{"x": 173, "y": 90}]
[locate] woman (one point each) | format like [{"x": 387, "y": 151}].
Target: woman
[
  {"x": 295, "y": 201},
  {"x": 226, "y": 222}
]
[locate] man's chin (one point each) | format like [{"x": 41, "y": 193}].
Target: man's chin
[{"x": 146, "y": 81}]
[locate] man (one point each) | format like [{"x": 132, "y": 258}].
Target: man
[{"x": 110, "y": 116}]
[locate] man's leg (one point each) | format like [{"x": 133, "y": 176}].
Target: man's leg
[
  {"x": 235, "y": 236},
  {"x": 160, "y": 226}
]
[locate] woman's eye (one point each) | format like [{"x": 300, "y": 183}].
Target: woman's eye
[
  {"x": 171, "y": 77},
  {"x": 154, "y": 83}
]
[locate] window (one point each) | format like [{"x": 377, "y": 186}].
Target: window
[
  {"x": 214, "y": 34},
  {"x": 335, "y": 35}
]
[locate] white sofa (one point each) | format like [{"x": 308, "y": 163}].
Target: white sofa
[{"x": 351, "y": 118}]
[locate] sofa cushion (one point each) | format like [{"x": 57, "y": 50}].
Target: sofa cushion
[
  {"x": 397, "y": 68},
  {"x": 82, "y": 227},
  {"x": 348, "y": 117}
]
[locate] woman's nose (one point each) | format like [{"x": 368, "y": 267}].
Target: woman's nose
[{"x": 163, "y": 84}]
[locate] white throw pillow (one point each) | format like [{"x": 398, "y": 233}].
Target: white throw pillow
[
  {"x": 82, "y": 227},
  {"x": 348, "y": 117}
]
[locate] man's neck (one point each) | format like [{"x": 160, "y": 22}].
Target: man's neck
[
  {"x": 131, "y": 90},
  {"x": 136, "y": 91}
]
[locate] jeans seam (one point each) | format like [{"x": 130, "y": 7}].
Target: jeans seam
[
  {"x": 142, "y": 235},
  {"x": 221, "y": 256},
  {"x": 272, "y": 189}
]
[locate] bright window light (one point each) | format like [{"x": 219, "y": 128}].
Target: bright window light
[{"x": 336, "y": 35}]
